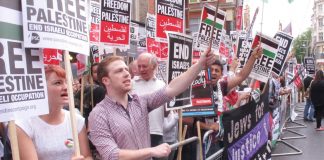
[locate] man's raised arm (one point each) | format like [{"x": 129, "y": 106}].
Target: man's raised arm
[{"x": 182, "y": 82}]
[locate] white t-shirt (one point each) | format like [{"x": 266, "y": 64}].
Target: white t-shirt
[
  {"x": 49, "y": 140},
  {"x": 156, "y": 117}
]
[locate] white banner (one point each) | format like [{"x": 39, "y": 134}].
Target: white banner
[
  {"x": 23, "y": 89},
  {"x": 50, "y": 24}
]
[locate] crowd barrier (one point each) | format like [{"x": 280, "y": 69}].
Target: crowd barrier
[
  {"x": 289, "y": 118},
  {"x": 217, "y": 155},
  {"x": 289, "y": 115},
  {"x": 187, "y": 141}
]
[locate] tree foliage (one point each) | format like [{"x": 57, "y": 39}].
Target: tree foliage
[{"x": 301, "y": 45}]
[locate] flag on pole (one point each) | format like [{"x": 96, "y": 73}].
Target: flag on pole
[
  {"x": 209, "y": 19},
  {"x": 288, "y": 29}
]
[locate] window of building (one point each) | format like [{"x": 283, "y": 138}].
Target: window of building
[
  {"x": 320, "y": 7},
  {"x": 194, "y": 24},
  {"x": 320, "y": 36},
  {"x": 320, "y": 22}
]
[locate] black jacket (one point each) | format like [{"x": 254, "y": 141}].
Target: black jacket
[{"x": 317, "y": 93}]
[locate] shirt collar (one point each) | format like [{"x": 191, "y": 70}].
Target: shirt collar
[
  {"x": 139, "y": 78},
  {"x": 110, "y": 100}
]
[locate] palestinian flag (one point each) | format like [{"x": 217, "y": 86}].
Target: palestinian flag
[
  {"x": 11, "y": 21},
  {"x": 208, "y": 16},
  {"x": 269, "y": 45},
  {"x": 297, "y": 79}
]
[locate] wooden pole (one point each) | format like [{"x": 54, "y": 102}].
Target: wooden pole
[
  {"x": 179, "y": 157},
  {"x": 91, "y": 90},
  {"x": 115, "y": 51},
  {"x": 69, "y": 80},
  {"x": 13, "y": 140},
  {"x": 199, "y": 140},
  {"x": 82, "y": 95},
  {"x": 179, "y": 132}
]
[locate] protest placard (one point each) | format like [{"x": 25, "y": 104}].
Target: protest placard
[
  {"x": 95, "y": 22},
  {"x": 309, "y": 65},
  {"x": 263, "y": 66},
  {"x": 205, "y": 28},
  {"x": 52, "y": 56},
  {"x": 283, "y": 49},
  {"x": 56, "y": 25},
  {"x": 115, "y": 23},
  {"x": 179, "y": 60},
  {"x": 23, "y": 89},
  {"x": 170, "y": 16},
  {"x": 201, "y": 98},
  {"x": 243, "y": 50}
]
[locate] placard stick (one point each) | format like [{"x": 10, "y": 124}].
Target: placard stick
[
  {"x": 199, "y": 140},
  {"x": 82, "y": 95},
  {"x": 179, "y": 132},
  {"x": 184, "y": 132},
  {"x": 210, "y": 45},
  {"x": 91, "y": 89},
  {"x": 13, "y": 140},
  {"x": 115, "y": 51},
  {"x": 182, "y": 138},
  {"x": 69, "y": 80}
]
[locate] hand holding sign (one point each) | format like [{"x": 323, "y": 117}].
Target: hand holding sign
[
  {"x": 257, "y": 52},
  {"x": 207, "y": 58}
]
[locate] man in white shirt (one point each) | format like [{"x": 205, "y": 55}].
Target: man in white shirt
[{"x": 147, "y": 83}]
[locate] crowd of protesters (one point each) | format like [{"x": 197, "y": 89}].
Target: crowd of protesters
[{"x": 124, "y": 112}]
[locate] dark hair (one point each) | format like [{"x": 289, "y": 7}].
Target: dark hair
[
  {"x": 102, "y": 67},
  {"x": 93, "y": 65},
  {"x": 218, "y": 63},
  {"x": 318, "y": 76}
]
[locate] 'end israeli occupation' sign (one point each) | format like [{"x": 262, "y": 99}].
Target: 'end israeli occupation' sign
[
  {"x": 49, "y": 24},
  {"x": 179, "y": 60},
  {"x": 284, "y": 45},
  {"x": 23, "y": 89}
]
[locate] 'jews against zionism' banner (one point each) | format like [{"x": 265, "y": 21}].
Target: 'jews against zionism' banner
[
  {"x": 115, "y": 22},
  {"x": 246, "y": 131},
  {"x": 50, "y": 24},
  {"x": 23, "y": 89},
  {"x": 205, "y": 28},
  {"x": 169, "y": 17},
  {"x": 263, "y": 66},
  {"x": 282, "y": 54},
  {"x": 179, "y": 60}
]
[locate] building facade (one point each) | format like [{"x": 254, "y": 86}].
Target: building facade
[{"x": 317, "y": 43}]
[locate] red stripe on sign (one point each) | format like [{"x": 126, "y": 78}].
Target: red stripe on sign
[{"x": 201, "y": 101}]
